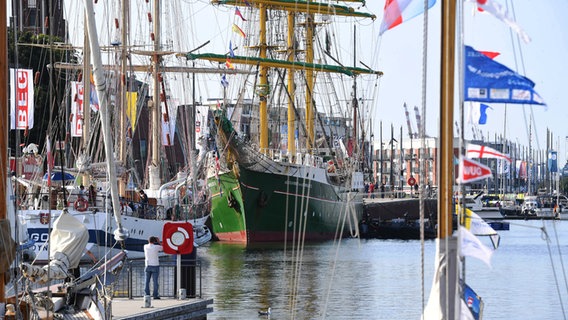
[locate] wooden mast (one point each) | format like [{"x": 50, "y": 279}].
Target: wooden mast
[
  {"x": 3, "y": 126},
  {"x": 445, "y": 209},
  {"x": 291, "y": 86},
  {"x": 154, "y": 168},
  {"x": 447, "y": 244}
]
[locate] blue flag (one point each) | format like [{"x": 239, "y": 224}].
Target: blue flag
[
  {"x": 224, "y": 81},
  {"x": 473, "y": 301},
  {"x": 483, "y": 113},
  {"x": 231, "y": 52},
  {"x": 490, "y": 81}
]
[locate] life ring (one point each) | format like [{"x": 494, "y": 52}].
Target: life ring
[{"x": 81, "y": 204}]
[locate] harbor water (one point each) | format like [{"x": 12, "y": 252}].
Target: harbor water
[{"x": 384, "y": 279}]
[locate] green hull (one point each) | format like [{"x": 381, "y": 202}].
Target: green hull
[
  {"x": 227, "y": 209},
  {"x": 267, "y": 207}
]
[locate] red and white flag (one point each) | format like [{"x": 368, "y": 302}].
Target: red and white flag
[
  {"x": 500, "y": 12},
  {"x": 484, "y": 152}
]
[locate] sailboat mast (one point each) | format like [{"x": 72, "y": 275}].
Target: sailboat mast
[
  {"x": 355, "y": 105},
  {"x": 263, "y": 83},
  {"x": 154, "y": 169},
  {"x": 100, "y": 85},
  {"x": 123, "y": 89},
  {"x": 291, "y": 86},
  {"x": 3, "y": 125},
  {"x": 447, "y": 119},
  {"x": 310, "y": 82},
  {"x": 447, "y": 244}
]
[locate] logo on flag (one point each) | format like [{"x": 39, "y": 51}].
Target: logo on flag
[
  {"x": 22, "y": 97},
  {"x": 489, "y": 81},
  {"x": 470, "y": 171}
]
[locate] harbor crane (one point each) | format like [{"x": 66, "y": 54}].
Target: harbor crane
[
  {"x": 418, "y": 121},
  {"x": 410, "y": 133}
]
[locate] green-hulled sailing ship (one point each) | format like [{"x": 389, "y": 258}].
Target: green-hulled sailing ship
[{"x": 301, "y": 180}]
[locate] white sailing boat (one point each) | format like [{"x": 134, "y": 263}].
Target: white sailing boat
[{"x": 95, "y": 206}]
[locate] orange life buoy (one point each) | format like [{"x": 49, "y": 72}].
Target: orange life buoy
[{"x": 81, "y": 204}]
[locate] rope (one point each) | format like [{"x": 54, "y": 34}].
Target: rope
[
  {"x": 422, "y": 134},
  {"x": 546, "y": 238}
]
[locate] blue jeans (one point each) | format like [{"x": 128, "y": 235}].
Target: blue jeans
[{"x": 152, "y": 272}]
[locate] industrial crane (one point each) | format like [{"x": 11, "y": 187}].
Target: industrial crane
[
  {"x": 410, "y": 134},
  {"x": 418, "y": 121}
]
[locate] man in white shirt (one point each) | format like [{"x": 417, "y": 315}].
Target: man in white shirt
[{"x": 152, "y": 261}]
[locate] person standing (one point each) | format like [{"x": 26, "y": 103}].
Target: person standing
[{"x": 152, "y": 263}]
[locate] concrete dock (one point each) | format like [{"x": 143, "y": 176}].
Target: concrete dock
[{"x": 165, "y": 308}]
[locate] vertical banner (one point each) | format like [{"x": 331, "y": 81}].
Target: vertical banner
[
  {"x": 552, "y": 161},
  {"x": 77, "y": 92},
  {"x": 201, "y": 125},
  {"x": 22, "y": 97},
  {"x": 131, "y": 110},
  {"x": 169, "y": 122}
]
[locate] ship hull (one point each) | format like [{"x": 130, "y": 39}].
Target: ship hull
[
  {"x": 227, "y": 211},
  {"x": 286, "y": 207}
]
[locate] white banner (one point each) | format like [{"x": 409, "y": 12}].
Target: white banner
[
  {"x": 169, "y": 122},
  {"x": 22, "y": 97},
  {"x": 77, "y": 110}
]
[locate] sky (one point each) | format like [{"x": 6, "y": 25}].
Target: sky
[{"x": 399, "y": 54}]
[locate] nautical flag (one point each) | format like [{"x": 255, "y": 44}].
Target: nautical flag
[
  {"x": 483, "y": 113},
  {"x": 131, "y": 110},
  {"x": 478, "y": 113},
  {"x": 471, "y": 246},
  {"x": 228, "y": 64},
  {"x": 399, "y": 11},
  {"x": 22, "y": 97},
  {"x": 473, "y": 301},
  {"x": 489, "y": 81},
  {"x": 238, "y": 13},
  {"x": 484, "y": 152},
  {"x": 231, "y": 52},
  {"x": 501, "y": 13},
  {"x": 238, "y": 30},
  {"x": 470, "y": 171},
  {"x": 478, "y": 226},
  {"x": 224, "y": 81}
]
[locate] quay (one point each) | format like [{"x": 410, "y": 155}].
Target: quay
[{"x": 165, "y": 308}]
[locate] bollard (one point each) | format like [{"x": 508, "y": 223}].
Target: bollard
[
  {"x": 147, "y": 302},
  {"x": 181, "y": 294}
]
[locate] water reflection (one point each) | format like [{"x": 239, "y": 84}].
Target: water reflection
[{"x": 382, "y": 279}]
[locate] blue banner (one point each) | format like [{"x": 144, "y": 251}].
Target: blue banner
[
  {"x": 490, "y": 81},
  {"x": 552, "y": 161}
]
